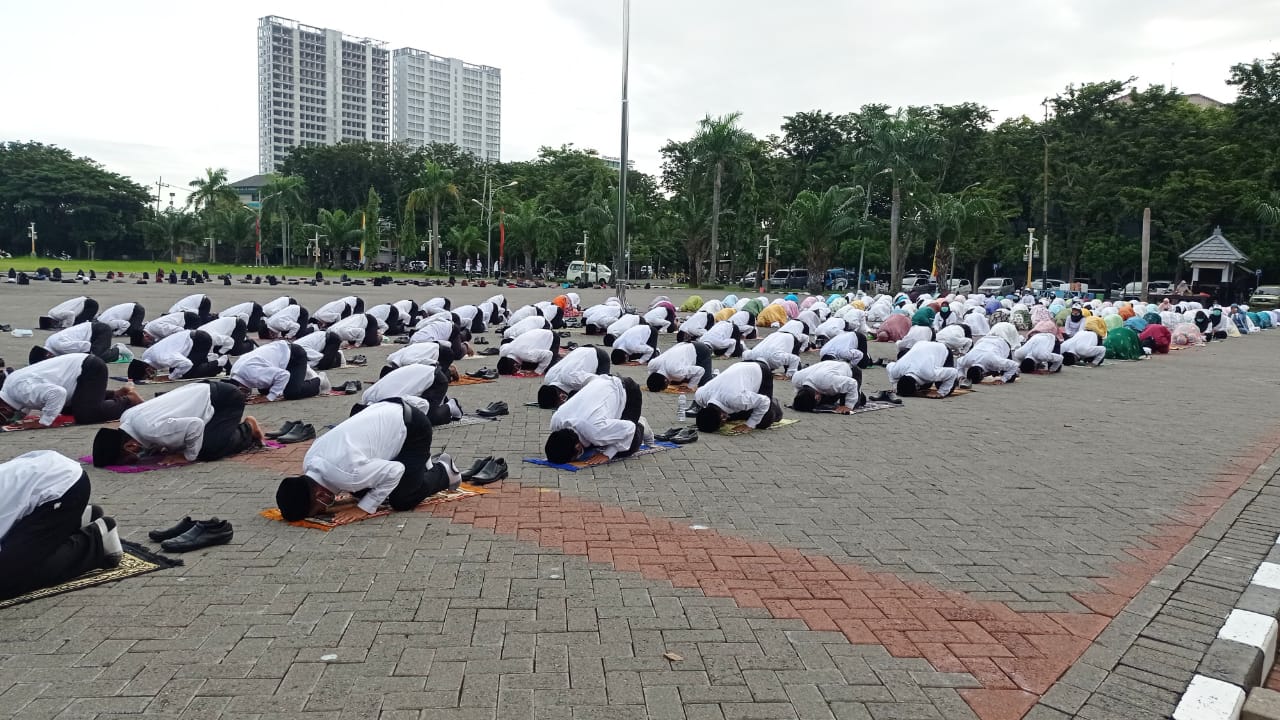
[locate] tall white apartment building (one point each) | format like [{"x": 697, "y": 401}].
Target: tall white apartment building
[
  {"x": 446, "y": 100},
  {"x": 318, "y": 87}
]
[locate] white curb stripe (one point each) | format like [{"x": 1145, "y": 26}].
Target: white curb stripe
[
  {"x": 1268, "y": 576},
  {"x": 1209, "y": 699}
]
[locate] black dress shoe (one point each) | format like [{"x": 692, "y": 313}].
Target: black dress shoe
[
  {"x": 351, "y": 387},
  {"x": 481, "y": 373},
  {"x": 488, "y": 351},
  {"x": 205, "y": 533},
  {"x": 285, "y": 429},
  {"x": 494, "y": 409},
  {"x": 685, "y": 436},
  {"x": 358, "y": 360},
  {"x": 299, "y": 434},
  {"x": 183, "y": 525},
  {"x": 669, "y": 433},
  {"x": 493, "y": 471},
  {"x": 479, "y": 341},
  {"x": 476, "y": 467}
]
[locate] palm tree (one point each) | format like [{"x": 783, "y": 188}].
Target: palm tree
[
  {"x": 232, "y": 226},
  {"x": 169, "y": 230},
  {"x": 435, "y": 184},
  {"x": 1269, "y": 210},
  {"x": 899, "y": 144},
  {"x": 339, "y": 228},
  {"x": 718, "y": 142},
  {"x": 693, "y": 222},
  {"x": 284, "y": 197},
  {"x": 527, "y": 223},
  {"x": 820, "y": 223},
  {"x": 212, "y": 191},
  {"x": 465, "y": 239}
]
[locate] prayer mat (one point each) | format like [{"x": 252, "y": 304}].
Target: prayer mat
[
  {"x": 321, "y": 522},
  {"x": 584, "y": 461},
  {"x": 136, "y": 561},
  {"x": 993, "y": 382},
  {"x": 466, "y": 420},
  {"x": 869, "y": 406},
  {"x": 159, "y": 380},
  {"x": 466, "y": 380},
  {"x": 740, "y": 428},
  {"x": 262, "y": 398},
  {"x": 149, "y": 464},
  {"x": 680, "y": 389},
  {"x": 33, "y": 423},
  {"x": 526, "y": 375},
  {"x": 1184, "y": 347},
  {"x": 932, "y": 394}
]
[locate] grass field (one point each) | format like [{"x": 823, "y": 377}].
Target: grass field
[{"x": 101, "y": 267}]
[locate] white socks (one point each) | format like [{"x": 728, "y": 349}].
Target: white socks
[
  {"x": 325, "y": 386},
  {"x": 112, "y": 550},
  {"x": 445, "y": 461}
]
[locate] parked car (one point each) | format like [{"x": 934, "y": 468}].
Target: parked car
[
  {"x": 1155, "y": 288},
  {"x": 416, "y": 266},
  {"x": 959, "y": 286},
  {"x": 916, "y": 285},
  {"x": 790, "y": 279},
  {"x": 750, "y": 280},
  {"x": 1053, "y": 285},
  {"x": 1265, "y": 297},
  {"x": 836, "y": 279},
  {"x": 996, "y": 286},
  {"x": 588, "y": 272}
]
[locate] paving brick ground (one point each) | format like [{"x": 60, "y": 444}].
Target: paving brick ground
[{"x": 946, "y": 559}]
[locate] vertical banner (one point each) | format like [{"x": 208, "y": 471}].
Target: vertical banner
[
  {"x": 363, "y": 217},
  {"x": 502, "y": 235}
]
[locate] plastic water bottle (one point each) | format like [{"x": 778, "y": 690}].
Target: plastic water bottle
[{"x": 681, "y": 406}]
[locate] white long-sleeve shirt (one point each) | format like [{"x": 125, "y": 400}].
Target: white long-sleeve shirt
[
  {"x": 829, "y": 377},
  {"x": 531, "y": 347},
  {"x": 74, "y": 339},
  {"x": 522, "y": 313},
  {"x": 171, "y": 354},
  {"x": 595, "y": 414},
  {"x": 698, "y": 324},
  {"x": 622, "y": 324},
  {"x": 220, "y": 331},
  {"x": 659, "y": 318},
  {"x": 284, "y": 321},
  {"x": 636, "y": 342},
  {"x": 64, "y": 313},
  {"x": 420, "y": 353},
  {"x": 924, "y": 362},
  {"x": 31, "y": 480},
  {"x": 190, "y": 303},
  {"x": 117, "y": 316},
  {"x": 382, "y": 312},
  {"x": 831, "y": 328},
  {"x": 313, "y": 343},
  {"x": 735, "y": 390},
  {"x": 992, "y": 355},
  {"x": 1039, "y": 347},
  {"x": 171, "y": 422},
  {"x": 678, "y": 364},
  {"x": 352, "y": 328},
  {"x": 917, "y": 333},
  {"x": 809, "y": 319},
  {"x": 1086, "y": 346},
  {"x": 533, "y": 322},
  {"x": 264, "y": 369},
  {"x": 954, "y": 338},
  {"x": 44, "y": 386},
  {"x": 601, "y": 315},
  {"x": 359, "y": 454},
  {"x": 776, "y": 351},
  {"x": 240, "y": 311},
  {"x": 407, "y": 381},
  {"x": 166, "y": 325},
  {"x": 435, "y": 331},
  {"x": 720, "y": 337},
  {"x": 574, "y": 370},
  {"x": 843, "y": 347},
  {"x": 277, "y": 305},
  {"x": 331, "y": 312}
]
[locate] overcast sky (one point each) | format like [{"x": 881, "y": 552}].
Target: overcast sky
[{"x": 165, "y": 89}]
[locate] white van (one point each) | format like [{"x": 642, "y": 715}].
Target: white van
[
  {"x": 996, "y": 286},
  {"x": 590, "y": 272}
]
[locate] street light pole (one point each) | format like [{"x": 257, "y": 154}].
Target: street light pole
[
  {"x": 866, "y": 212},
  {"x": 620, "y": 283}
]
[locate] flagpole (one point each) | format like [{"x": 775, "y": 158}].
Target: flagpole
[{"x": 620, "y": 272}]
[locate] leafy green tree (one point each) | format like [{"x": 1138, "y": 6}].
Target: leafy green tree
[
  {"x": 817, "y": 223},
  {"x": 371, "y": 225},
  {"x": 212, "y": 192},
  {"x": 284, "y": 199},
  {"x": 338, "y": 230},
  {"x": 528, "y": 222},
  {"x": 465, "y": 240},
  {"x": 435, "y": 185},
  {"x": 692, "y": 220},
  {"x": 718, "y": 143},
  {"x": 234, "y": 227},
  {"x": 169, "y": 231}
]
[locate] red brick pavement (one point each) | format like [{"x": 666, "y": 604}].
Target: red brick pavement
[{"x": 1017, "y": 656}]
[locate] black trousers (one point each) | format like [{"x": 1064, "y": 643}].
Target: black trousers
[
  {"x": 766, "y": 379},
  {"x": 255, "y": 318},
  {"x": 204, "y": 311},
  {"x": 418, "y": 482},
  {"x": 226, "y": 433},
  {"x": 395, "y": 323},
  {"x": 603, "y": 363},
  {"x": 446, "y": 357},
  {"x": 299, "y": 386},
  {"x": 201, "y": 346},
  {"x": 435, "y": 397},
  {"x": 49, "y": 546},
  {"x": 702, "y": 358},
  {"x": 371, "y": 338},
  {"x": 631, "y": 408},
  {"x": 91, "y": 403},
  {"x": 135, "y": 320},
  {"x": 240, "y": 342},
  {"x": 100, "y": 342},
  {"x": 88, "y": 312},
  {"x": 331, "y": 355}
]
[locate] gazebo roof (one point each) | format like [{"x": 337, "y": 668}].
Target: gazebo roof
[{"x": 1215, "y": 249}]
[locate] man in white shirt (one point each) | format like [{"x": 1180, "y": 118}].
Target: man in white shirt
[
  {"x": 520, "y": 327},
  {"x": 779, "y": 351},
  {"x": 87, "y": 337},
  {"x": 571, "y": 374},
  {"x": 925, "y": 364},
  {"x": 662, "y": 317},
  {"x": 597, "y": 318},
  {"x": 187, "y": 354},
  {"x": 201, "y": 305},
  {"x": 324, "y": 349},
  {"x": 279, "y": 370},
  {"x": 275, "y": 306},
  {"x": 990, "y": 356},
  {"x": 361, "y": 330},
  {"x": 74, "y": 384},
  {"x": 426, "y": 382},
  {"x": 746, "y": 323},
  {"x": 389, "y": 317},
  {"x": 288, "y": 322},
  {"x": 697, "y": 325},
  {"x": 166, "y": 325},
  {"x": 688, "y": 363},
  {"x": 957, "y": 337},
  {"x": 534, "y": 351},
  {"x": 382, "y": 454},
  {"x": 850, "y": 347},
  {"x": 250, "y": 312},
  {"x": 230, "y": 335},
  {"x": 125, "y": 319},
  {"x": 725, "y": 339},
  {"x": 744, "y": 391},
  {"x": 603, "y": 416},
  {"x": 621, "y": 325},
  {"x": 69, "y": 312},
  {"x": 201, "y": 421},
  {"x": 332, "y": 312},
  {"x": 829, "y": 382},
  {"x": 423, "y": 353},
  {"x": 1084, "y": 346},
  {"x": 447, "y": 333},
  {"x": 1037, "y": 350},
  {"x": 917, "y": 333},
  {"x": 49, "y": 533},
  {"x": 635, "y": 345}
]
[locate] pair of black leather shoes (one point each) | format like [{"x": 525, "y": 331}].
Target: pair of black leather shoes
[
  {"x": 489, "y": 351},
  {"x": 190, "y": 534},
  {"x": 351, "y": 387},
  {"x": 494, "y": 409},
  {"x": 293, "y": 431},
  {"x": 484, "y": 373},
  {"x": 486, "y": 470},
  {"x": 679, "y": 435}
]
